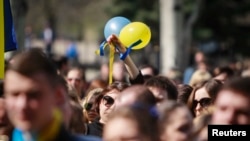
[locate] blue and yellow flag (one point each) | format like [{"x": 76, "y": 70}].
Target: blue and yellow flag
[{"x": 7, "y": 33}]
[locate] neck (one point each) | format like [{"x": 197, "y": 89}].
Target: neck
[{"x": 102, "y": 121}]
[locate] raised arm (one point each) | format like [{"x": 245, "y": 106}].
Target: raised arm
[{"x": 133, "y": 71}]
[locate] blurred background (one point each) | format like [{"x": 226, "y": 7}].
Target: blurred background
[{"x": 218, "y": 28}]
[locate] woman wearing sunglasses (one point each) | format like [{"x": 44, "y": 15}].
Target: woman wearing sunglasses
[
  {"x": 203, "y": 95},
  {"x": 105, "y": 104},
  {"x": 89, "y": 111}
]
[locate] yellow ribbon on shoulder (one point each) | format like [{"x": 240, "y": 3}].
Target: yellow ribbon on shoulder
[{"x": 52, "y": 130}]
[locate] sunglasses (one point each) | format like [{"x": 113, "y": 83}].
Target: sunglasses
[
  {"x": 108, "y": 101},
  {"x": 88, "y": 106},
  {"x": 204, "y": 102}
]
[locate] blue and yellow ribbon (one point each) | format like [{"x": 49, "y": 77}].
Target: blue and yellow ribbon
[
  {"x": 7, "y": 33},
  {"x": 124, "y": 55},
  {"x": 112, "y": 49}
]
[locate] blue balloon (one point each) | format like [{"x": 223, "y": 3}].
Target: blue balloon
[{"x": 115, "y": 25}]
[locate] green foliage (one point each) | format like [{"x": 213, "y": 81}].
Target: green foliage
[{"x": 229, "y": 22}]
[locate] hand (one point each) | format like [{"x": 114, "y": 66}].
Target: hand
[{"x": 113, "y": 39}]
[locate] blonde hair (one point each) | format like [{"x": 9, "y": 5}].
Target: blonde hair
[
  {"x": 199, "y": 76},
  {"x": 94, "y": 92}
]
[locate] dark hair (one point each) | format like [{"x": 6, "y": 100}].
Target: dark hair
[
  {"x": 241, "y": 85},
  {"x": 226, "y": 69},
  {"x": 154, "y": 69},
  {"x": 165, "y": 84},
  {"x": 184, "y": 91},
  {"x": 80, "y": 69},
  {"x": 118, "y": 85},
  {"x": 32, "y": 62}
]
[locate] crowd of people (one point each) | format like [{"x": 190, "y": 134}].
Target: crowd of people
[{"x": 42, "y": 100}]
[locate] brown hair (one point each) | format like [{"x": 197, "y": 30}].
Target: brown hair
[
  {"x": 165, "y": 84},
  {"x": 92, "y": 93},
  {"x": 118, "y": 85},
  {"x": 32, "y": 62},
  {"x": 212, "y": 87},
  {"x": 184, "y": 91}
]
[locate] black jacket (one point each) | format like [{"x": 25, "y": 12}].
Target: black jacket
[{"x": 95, "y": 128}]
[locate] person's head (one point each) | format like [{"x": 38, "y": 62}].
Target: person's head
[
  {"x": 62, "y": 64},
  {"x": 199, "y": 76},
  {"x": 184, "y": 91},
  {"x": 88, "y": 105},
  {"x": 106, "y": 102},
  {"x": 175, "y": 121},
  {"x": 223, "y": 73},
  {"x": 76, "y": 78},
  {"x": 131, "y": 123},
  {"x": 232, "y": 104},
  {"x": 162, "y": 88},
  {"x": 199, "y": 57},
  {"x": 203, "y": 95},
  {"x": 175, "y": 75},
  {"x": 147, "y": 69},
  {"x": 136, "y": 94},
  {"x": 96, "y": 83},
  {"x": 31, "y": 91}
]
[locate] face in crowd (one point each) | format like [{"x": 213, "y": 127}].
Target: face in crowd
[
  {"x": 232, "y": 106},
  {"x": 75, "y": 79},
  {"x": 89, "y": 110},
  {"x": 31, "y": 91},
  {"x": 106, "y": 102}
]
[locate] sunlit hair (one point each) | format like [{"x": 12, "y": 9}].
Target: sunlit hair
[
  {"x": 199, "y": 76},
  {"x": 94, "y": 93}
]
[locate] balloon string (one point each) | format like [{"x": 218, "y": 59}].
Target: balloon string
[
  {"x": 124, "y": 55},
  {"x": 111, "y": 61},
  {"x": 102, "y": 46}
]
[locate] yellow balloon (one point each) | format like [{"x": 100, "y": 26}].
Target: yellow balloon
[{"x": 134, "y": 32}]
